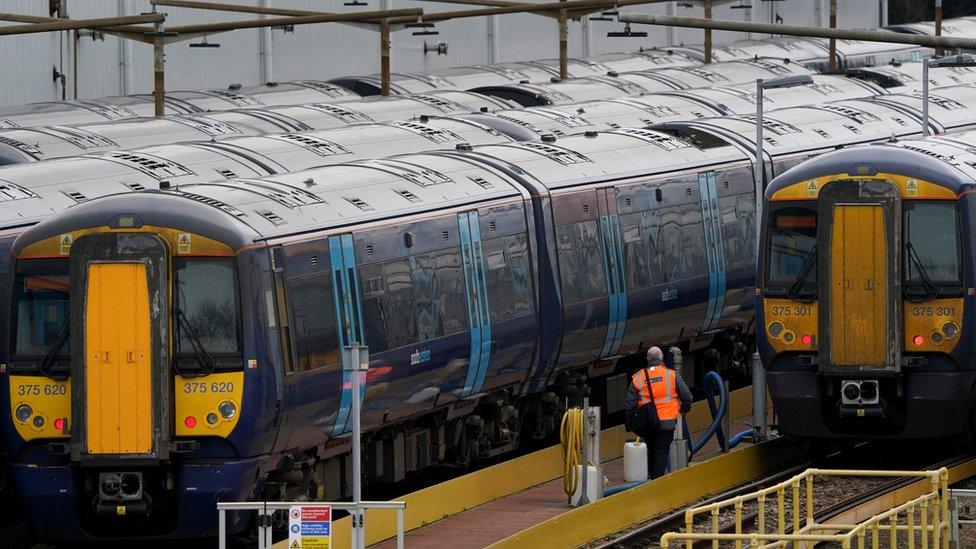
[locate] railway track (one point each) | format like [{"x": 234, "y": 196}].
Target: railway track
[{"x": 853, "y": 492}]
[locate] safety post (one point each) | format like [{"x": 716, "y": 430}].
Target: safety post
[
  {"x": 758, "y": 399},
  {"x": 356, "y": 361},
  {"x": 678, "y": 455},
  {"x": 591, "y": 417}
]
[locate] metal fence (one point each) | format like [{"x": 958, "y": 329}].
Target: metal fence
[
  {"x": 922, "y": 522},
  {"x": 266, "y": 511}
]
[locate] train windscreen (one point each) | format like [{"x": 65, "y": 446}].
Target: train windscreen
[
  {"x": 40, "y": 309},
  {"x": 792, "y": 249},
  {"x": 206, "y": 313},
  {"x": 931, "y": 249}
]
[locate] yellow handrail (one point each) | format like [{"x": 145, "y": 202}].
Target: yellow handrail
[{"x": 926, "y": 517}]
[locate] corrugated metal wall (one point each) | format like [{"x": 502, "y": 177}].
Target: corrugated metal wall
[{"x": 107, "y": 66}]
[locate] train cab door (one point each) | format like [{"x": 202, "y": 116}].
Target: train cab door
[
  {"x": 476, "y": 298},
  {"x": 348, "y": 311},
  {"x": 614, "y": 266},
  {"x": 714, "y": 250},
  {"x": 860, "y": 298},
  {"x": 117, "y": 325}
]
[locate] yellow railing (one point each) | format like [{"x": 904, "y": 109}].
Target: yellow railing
[{"x": 922, "y": 522}]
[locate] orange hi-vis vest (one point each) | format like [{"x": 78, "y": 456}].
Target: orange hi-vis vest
[{"x": 663, "y": 391}]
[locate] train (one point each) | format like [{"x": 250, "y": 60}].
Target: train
[
  {"x": 866, "y": 295},
  {"x": 493, "y": 284}
]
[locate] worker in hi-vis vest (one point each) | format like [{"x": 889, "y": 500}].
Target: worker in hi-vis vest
[{"x": 661, "y": 387}]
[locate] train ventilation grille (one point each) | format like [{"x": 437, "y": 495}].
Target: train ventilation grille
[
  {"x": 153, "y": 166},
  {"x": 944, "y": 102},
  {"x": 702, "y": 73},
  {"x": 213, "y": 128},
  {"x": 520, "y": 122},
  {"x": 744, "y": 95},
  {"x": 824, "y": 89},
  {"x": 437, "y": 135},
  {"x": 439, "y": 103},
  {"x": 422, "y": 177},
  {"x": 78, "y": 137},
  {"x": 342, "y": 113},
  {"x": 317, "y": 145},
  {"x": 555, "y": 96},
  {"x": 857, "y": 115},
  {"x": 434, "y": 81},
  {"x": 213, "y": 202},
  {"x": 133, "y": 186},
  {"x": 272, "y": 217},
  {"x": 775, "y": 68},
  {"x": 508, "y": 72},
  {"x": 408, "y": 195},
  {"x": 112, "y": 112},
  {"x": 326, "y": 88},
  {"x": 568, "y": 120},
  {"x": 774, "y": 126},
  {"x": 4, "y": 123},
  {"x": 286, "y": 195},
  {"x": 227, "y": 174},
  {"x": 944, "y": 158},
  {"x": 853, "y": 129},
  {"x": 822, "y": 133},
  {"x": 236, "y": 99},
  {"x": 659, "y": 111},
  {"x": 359, "y": 203},
  {"x": 75, "y": 195},
  {"x": 21, "y": 146},
  {"x": 11, "y": 191},
  {"x": 563, "y": 156},
  {"x": 625, "y": 86},
  {"x": 666, "y": 142}
]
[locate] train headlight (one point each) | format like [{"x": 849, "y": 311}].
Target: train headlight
[
  {"x": 39, "y": 421},
  {"x": 212, "y": 418},
  {"x": 227, "y": 409},
  {"x": 776, "y": 329},
  {"x": 24, "y": 412},
  {"x": 936, "y": 338},
  {"x": 789, "y": 337},
  {"x": 950, "y": 330}
]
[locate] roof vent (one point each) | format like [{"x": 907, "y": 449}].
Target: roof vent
[
  {"x": 223, "y": 206},
  {"x": 83, "y": 139},
  {"x": 153, "y": 166},
  {"x": 463, "y": 147},
  {"x": 317, "y": 145},
  {"x": 133, "y": 186},
  {"x": 558, "y": 154},
  {"x": 439, "y": 103},
  {"x": 481, "y": 182},
  {"x": 359, "y": 203},
  {"x": 21, "y": 146},
  {"x": 665, "y": 141},
  {"x": 326, "y": 88},
  {"x": 590, "y": 133},
  {"x": 274, "y": 218},
  {"x": 437, "y": 135},
  {"x": 11, "y": 191},
  {"x": 346, "y": 115},
  {"x": 408, "y": 195},
  {"x": 74, "y": 195},
  {"x": 549, "y": 138}
]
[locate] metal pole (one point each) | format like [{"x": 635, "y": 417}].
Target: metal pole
[
  {"x": 678, "y": 454},
  {"x": 399, "y": 528},
  {"x": 159, "y": 76},
  {"x": 925, "y": 98},
  {"x": 595, "y": 427},
  {"x": 563, "y": 46},
  {"x": 708, "y": 33},
  {"x": 800, "y": 30},
  {"x": 728, "y": 420},
  {"x": 758, "y": 398},
  {"x": 267, "y": 48},
  {"x": 71, "y": 24},
  {"x": 760, "y": 166},
  {"x": 352, "y": 364},
  {"x": 832, "y": 62},
  {"x": 584, "y": 487},
  {"x": 385, "y": 57},
  {"x": 938, "y": 24},
  {"x": 222, "y": 529}
]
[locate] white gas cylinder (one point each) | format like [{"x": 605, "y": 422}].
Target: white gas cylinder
[
  {"x": 635, "y": 461},
  {"x": 593, "y": 483}
]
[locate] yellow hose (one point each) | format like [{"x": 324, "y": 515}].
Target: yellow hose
[{"x": 571, "y": 437}]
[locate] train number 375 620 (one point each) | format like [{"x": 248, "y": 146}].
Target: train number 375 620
[
  {"x": 200, "y": 387},
  {"x": 49, "y": 389}
]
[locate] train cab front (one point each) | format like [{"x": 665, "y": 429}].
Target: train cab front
[
  {"x": 125, "y": 372},
  {"x": 863, "y": 305}
]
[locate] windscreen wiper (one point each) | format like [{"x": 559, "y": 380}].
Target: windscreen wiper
[
  {"x": 793, "y": 291},
  {"x": 931, "y": 290},
  {"x": 204, "y": 358},
  {"x": 54, "y": 349}
]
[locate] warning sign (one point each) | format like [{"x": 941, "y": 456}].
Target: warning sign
[
  {"x": 912, "y": 187},
  {"x": 309, "y": 527},
  {"x": 65, "y": 242},
  {"x": 812, "y": 188},
  {"x": 183, "y": 243}
]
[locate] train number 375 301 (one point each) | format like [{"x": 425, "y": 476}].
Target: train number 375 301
[
  {"x": 200, "y": 387},
  {"x": 933, "y": 311},
  {"x": 796, "y": 310}
]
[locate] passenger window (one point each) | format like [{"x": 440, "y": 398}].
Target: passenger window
[
  {"x": 422, "y": 274},
  {"x": 738, "y": 230},
  {"x": 313, "y": 311},
  {"x": 448, "y": 292},
  {"x": 582, "y": 271},
  {"x": 635, "y": 250},
  {"x": 518, "y": 254},
  {"x": 388, "y": 307}
]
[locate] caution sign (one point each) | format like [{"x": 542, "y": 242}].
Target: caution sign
[
  {"x": 65, "y": 243},
  {"x": 812, "y": 188},
  {"x": 183, "y": 243},
  {"x": 309, "y": 527},
  {"x": 912, "y": 187}
]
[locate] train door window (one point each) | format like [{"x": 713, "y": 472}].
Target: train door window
[
  {"x": 281, "y": 312},
  {"x": 422, "y": 276},
  {"x": 449, "y": 291},
  {"x": 389, "y": 310},
  {"x": 205, "y": 306},
  {"x": 931, "y": 244},
  {"x": 518, "y": 256},
  {"x": 674, "y": 245},
  {"x": 738, "y": 229},
  {"x": 792, "y": 245},
  {"x": 581, "y": 270},
  {"x": 313, "y": 314},
  {"x": 635, "y": 250},
  {"x": 40, "y": 308},
  {"x": 501, "y": 299},
  {"x": 373, "y": 290},
  {"x": 691, "y": 249}
]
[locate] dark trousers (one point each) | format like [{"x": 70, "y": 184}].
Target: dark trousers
[{"x": 658, "y": 450}]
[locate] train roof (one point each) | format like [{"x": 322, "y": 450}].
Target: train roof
[
  {"x": 856, "y": 53},
  {"x": 724, "y": 73},
  {"x": 909, "y": 76},
  {"x": 936, "y": 160},
  {"x": 569, "y": 91},
  {"x": 51, "y": 186},
  {"x": 955, "y": 27},
  {"x": 643, "y": 60},
  {"x": 949, "y": 107},
  {"x": 795, "y": 49}
]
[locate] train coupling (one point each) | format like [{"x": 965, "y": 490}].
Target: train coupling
[{"x": 121, "y": 495}]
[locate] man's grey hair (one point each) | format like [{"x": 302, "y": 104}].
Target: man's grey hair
[{"x": 655, "y": 356}]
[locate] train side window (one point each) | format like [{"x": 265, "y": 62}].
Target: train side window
[
  {"x": 635, "y": 250},
  {"x": 501, "y": 298},
  {"x": 284, "y": 325},
  {"x": 518, "y": 254},
  {"x": 738, "y": 229},
  {"x": 673, "y": 236},
  {"x": 313, "y": 312},
  {"x": 931, "y": 232},
  {"x": 448, "y": 292},
  {"x": 792, "y": 244},
  {"x": 582, "y": 271},
  {"x": 388, "y": 308},
  {"x": 422, "y": 275}
]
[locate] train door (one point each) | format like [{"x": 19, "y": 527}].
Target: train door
[
  {"x": 476, "y": 297},
  {"x": 859, "y": 308},
  {"x": 714, "y": 249},
  {"x": 614, "y": 266},
  {"x": 348, "y": 311}
]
